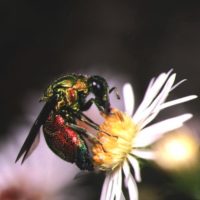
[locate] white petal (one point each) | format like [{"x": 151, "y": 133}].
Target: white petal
[
  {"x": 130, "y": 182},
  {"x": 106, "y": 190},
  {"x": 151, "y": 92},
  {"x": 152, "y": 133},
  {"x": 109, "y": 191},
  {"x": 122, "y": 197},
  {"x": 116, "y": 190},
  {"x": 165, "y": 105},
  {"x": 129, "y": 101},
  {"x": 132, "y": 189},
  {"x": 147, "y": 155},
  {"x": 136, "y": 167},
  {"x": 126, "y": 170},
  {"x": 142, "y": 119},
  {"x": 112, "y": 186},
  {"x": 177, "y": 101},
  {"x": 177, "y": 84},
  {"x": 119, "y": 193}
]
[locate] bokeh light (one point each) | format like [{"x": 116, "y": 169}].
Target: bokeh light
[{"x": 177, "y": 150}]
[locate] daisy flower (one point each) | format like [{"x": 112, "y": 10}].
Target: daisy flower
[{"x": 129, "y": 136}]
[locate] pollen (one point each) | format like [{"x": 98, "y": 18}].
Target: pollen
[{"x": 116, "y": 137}]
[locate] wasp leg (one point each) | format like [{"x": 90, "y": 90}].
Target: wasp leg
[
  {"x": 90, "y": 120},
  {"x": 96, "y": 127},
  {"x": 79, "y": 129},
  {"x": 88, "y": 104}
]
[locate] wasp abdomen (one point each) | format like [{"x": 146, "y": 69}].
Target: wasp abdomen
[{"x": 66, "y": 143}]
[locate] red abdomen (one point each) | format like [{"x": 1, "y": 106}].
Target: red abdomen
[{"x": 66, "y": 143}]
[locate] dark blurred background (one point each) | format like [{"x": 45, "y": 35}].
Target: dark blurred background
[
  {"x": 126, "y": 40},
  {"x": 41, "y": 40}
]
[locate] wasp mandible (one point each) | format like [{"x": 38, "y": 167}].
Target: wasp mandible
[{"x": 66, "y": 100}]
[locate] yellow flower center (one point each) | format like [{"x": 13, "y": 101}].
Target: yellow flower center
[{"x": 116, "y": 138}]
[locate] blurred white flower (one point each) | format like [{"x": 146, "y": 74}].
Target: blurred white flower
[
  {"x": 178, "y": 150},
  {"x": 42, "y": 177},
  {"x": 128, "y": 136}
]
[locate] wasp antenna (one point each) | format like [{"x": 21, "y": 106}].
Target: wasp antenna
[
  {"x": 111, "y": 89},
  {"x": 116, "y": 92}
]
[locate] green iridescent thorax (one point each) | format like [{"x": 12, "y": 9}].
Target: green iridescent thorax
[{"x": 68, "y": 89}]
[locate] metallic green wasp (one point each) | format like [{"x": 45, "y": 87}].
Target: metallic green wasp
[{"x": 66, "y": 100}]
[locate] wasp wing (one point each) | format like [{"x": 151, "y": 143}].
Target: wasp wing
[
  {"x": 31, "y": 139},
  {"x": 32, "y": 147}
]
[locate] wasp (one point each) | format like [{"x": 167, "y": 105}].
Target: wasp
[{"x": 65, "y": 101}]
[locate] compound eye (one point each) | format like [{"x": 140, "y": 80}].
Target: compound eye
[{"x": 97, "y": 88}]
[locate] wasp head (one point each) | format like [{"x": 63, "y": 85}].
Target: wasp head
[{"x": 99, "y": 87}]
